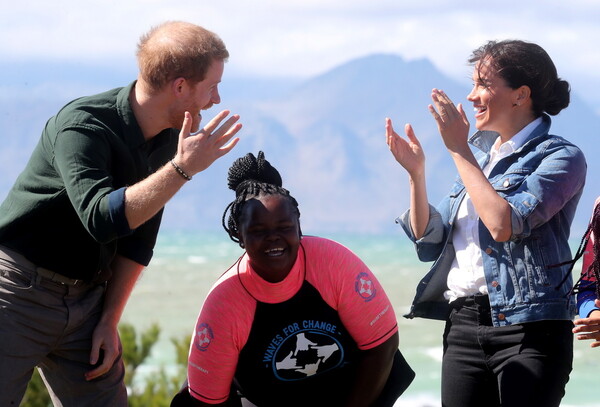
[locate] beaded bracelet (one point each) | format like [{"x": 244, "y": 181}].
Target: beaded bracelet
[{"x": 180, "y": 171}]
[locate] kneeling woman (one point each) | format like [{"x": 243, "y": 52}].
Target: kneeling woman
[{"x": 297, "y": 320}]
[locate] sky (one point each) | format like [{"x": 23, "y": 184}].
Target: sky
[{"x": 303, "y": 38}]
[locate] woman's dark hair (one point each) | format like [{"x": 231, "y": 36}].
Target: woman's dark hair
[
  {"x": 523, "y": 63},
  {"x": 251, "y": 177}
]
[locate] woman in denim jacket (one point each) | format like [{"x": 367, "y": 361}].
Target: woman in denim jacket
[{"x": 498, "y": 238}]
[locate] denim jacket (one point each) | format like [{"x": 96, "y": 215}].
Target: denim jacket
[{"x": 542, "y": 181}]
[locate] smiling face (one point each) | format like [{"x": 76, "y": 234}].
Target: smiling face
[
  {"x": 493, "y": 100},
  {"x": 270, "y": 231}
]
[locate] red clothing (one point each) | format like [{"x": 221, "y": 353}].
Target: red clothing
[
  {"x": 326, "y": 276},
  {"x": 587, "y": 285}
]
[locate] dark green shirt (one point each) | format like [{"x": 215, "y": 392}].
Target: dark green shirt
[{"x": 66, "y": 210}]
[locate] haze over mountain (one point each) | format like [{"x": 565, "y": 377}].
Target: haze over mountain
[{"x": 325, "y": 135}]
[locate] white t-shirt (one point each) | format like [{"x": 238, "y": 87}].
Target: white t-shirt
[{"x": 466, "y": 275}]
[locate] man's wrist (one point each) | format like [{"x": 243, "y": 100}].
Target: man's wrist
[{"x": 180, "y": 171}]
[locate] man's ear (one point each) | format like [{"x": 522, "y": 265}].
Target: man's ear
[{"x": 179, "y": 86}]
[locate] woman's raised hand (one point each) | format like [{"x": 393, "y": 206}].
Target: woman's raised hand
[
  {"x": 408, "y": 153},
  {"x": 451, "y": 121}
]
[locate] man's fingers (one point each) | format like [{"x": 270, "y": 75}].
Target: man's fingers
[
  {"x": 231, "y": 131},
  {"x": 186, "y": 127},
  {"x": 227, "y": 126},
  {"x": 99, "y": 371},
  {"x": 96, "y": 350},
  {"x": 229, "y": 146},
  {"x": 106, "y": 358},
  {"x": 94, "y": 354},
  {"x": 214, "y": 122},
  {"x": 223, "y": 129},
  {"x": 94, "y": 359}
]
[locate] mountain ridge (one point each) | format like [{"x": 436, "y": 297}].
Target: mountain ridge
[{"x": 325, "y": 134}]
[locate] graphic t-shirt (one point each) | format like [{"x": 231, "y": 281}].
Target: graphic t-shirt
[{"x": 285, "y": 343}]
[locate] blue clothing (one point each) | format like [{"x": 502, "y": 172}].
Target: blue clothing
[
  {"x": 586, "y": 295},
  {"x": 542, "y": 181}
]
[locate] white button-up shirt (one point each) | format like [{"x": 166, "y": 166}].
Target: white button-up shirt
[{"x": 466, "y": 275}]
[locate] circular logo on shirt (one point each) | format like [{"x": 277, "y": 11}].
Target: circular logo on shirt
[
  {"x": 306, "y": 353},
  {"x": 204, "y": 336},
  {"x": 363, "y": 285}
]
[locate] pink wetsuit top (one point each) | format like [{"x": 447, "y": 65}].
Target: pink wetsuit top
[{"x": 343, "y": 282}]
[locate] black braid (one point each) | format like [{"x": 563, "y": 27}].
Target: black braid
[{"x": 251, "y": 177}]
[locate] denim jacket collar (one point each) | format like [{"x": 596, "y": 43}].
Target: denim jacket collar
[{"x": 485, "y": 139}]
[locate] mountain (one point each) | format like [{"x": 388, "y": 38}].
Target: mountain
[{"x": 325, "y": 135}]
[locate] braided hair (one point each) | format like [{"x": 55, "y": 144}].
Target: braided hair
[
  {"x": 251, "y": 177},
  {"x": 593, "y": 271},
  {"x": 594, "y": 228}
]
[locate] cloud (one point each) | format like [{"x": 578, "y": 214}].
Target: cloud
[{"x": 308, "y": 37}]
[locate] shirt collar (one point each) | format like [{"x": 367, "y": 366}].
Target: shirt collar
[
  {"x": 131, "y": 127},
  {"x": 515, "y": 141},
  {"x": 485, "y": 139}
]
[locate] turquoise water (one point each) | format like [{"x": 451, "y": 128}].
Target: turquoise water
[{"x": 172, "y": 288}]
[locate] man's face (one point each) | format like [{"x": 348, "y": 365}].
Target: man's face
[
  {"x": 206, "y": 92},
  {"x": 200, "y": 95}
]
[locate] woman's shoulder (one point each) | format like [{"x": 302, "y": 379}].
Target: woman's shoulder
[
  {"x": 553, "y": 144},
  {"x": 326, "y": 254},
  {"x": 227, "y": 284}
]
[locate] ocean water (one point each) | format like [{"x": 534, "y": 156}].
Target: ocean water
[{"x": 186, "y": 264}]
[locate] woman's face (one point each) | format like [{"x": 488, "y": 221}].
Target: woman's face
[
  {"x": 270, "y": 231},
  {"x": 492, "y": 99}
]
